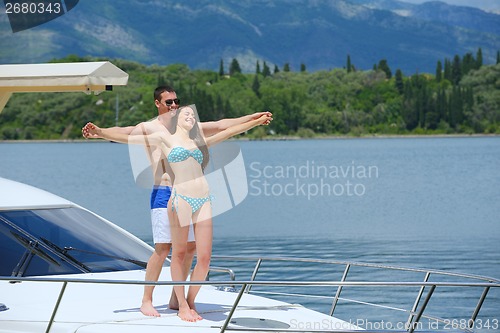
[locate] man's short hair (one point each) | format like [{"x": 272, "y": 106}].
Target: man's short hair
[{"x": 160, "y": 90}]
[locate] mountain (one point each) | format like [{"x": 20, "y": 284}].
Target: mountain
[
  {"x": 317, "y": 33},
  {"x": 486, "y": 5},
  {"x": 470, "y": 18}
]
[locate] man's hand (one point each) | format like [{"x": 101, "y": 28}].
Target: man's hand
[{"x": 91, "y": 131}]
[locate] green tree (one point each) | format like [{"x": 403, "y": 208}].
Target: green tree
[
  {"x": 349, "y": 65},
  {"x": 468, "y": 99},
  {"x": 235, "y": 67},
  {"x": 286, "y": 67},
  {"x": 456, "y": 70},
  {"x": 384, "y": 67},
  {"x": 302, "y": 68},
  {"x": 257, "y": 68},
  {"x": 276, "y": 69},
  {"x": 484, "y": 116},
  {"x": 221, "y": 68},
  {"x": 439, "y": 71},
  {"x": 468, "y": 64},
  {"x": 256, "y": 85},
  {"x": 447, "y": 70},
  {"x": 411, "y": 109},
  {"x": 219, "y": 109},
  {"x": 456, "y": 107},
  {"x": 441, "y": 104},
  {"x": 161, "y": 80},
  {"x": 266, "y": 71},
  {"x": 479, "y": 58},
  {"x": 399, "y": 81}
]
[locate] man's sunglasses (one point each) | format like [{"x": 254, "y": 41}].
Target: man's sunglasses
[{"x": 169, "y": 102}]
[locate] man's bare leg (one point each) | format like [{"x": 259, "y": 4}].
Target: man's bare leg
[
  {"x": 188, "y": 261},
  {"x": 153, "y": 270}
]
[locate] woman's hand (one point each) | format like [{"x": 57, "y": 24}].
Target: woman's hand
[
  {"x": 257, "y": 115},
  {"x": 265, "y": 118}
]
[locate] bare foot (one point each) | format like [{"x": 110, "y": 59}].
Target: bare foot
[
  {"x": 186, "y": 314},
  {"x": 193, "y": 311},
  {"x": 173, "y": 303},
  {"x": 196, "y": 315},
  {"x": 148, "y": 309}
]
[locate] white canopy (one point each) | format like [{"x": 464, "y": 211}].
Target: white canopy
[{"x": 86, "y": 77}]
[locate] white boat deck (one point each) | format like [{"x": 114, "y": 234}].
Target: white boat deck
[{"x": 88, "y": 307}]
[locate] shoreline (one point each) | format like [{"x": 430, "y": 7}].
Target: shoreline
[{"x": 285, "y": 138}]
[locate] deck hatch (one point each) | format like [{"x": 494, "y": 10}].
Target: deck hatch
[{"x": 258, "y": 323}]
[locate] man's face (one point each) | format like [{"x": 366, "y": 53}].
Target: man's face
[{"x": 168, "y": 103}]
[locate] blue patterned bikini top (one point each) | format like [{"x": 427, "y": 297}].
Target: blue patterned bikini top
[{"x": 179, "y": 154}]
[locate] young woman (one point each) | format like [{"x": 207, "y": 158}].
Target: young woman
[{"x": 187, "y": 154}]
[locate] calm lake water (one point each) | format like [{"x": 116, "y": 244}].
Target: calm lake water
[{"x": 414, "y": 202}]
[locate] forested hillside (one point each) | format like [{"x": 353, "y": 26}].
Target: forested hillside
[{"x": 463, "y": 96}]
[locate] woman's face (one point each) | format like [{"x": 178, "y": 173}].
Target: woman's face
[{"x": 186, "y": 118}]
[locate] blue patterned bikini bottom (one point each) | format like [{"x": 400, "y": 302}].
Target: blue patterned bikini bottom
[{"x": 195, "y": 203}]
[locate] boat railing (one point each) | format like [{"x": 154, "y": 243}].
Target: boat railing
[{"x": 417, "y": 312}]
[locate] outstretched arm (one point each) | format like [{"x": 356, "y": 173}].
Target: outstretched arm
[
  {"x": 210, "y": 128},
  {"x": 139, "y": 134},
  {"x": 91, "y": 131},
  {"x": 237, "y": 129},
  {"x": 117, "y": 134}
]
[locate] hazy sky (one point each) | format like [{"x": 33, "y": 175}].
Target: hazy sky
[{"x": 484, "y": 4}]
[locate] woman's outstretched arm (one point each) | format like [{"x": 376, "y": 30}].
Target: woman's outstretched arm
[
  {"x": 213, "y": 127},
  {"x": 237, "y": 129}
]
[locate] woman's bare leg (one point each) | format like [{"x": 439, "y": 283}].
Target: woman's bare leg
[
  {"x": 188, "y": 261},
  {"x": 202, "y": 223},
  {"x": 179, "y": 248}
]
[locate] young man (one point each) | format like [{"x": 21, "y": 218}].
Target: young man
[{"x": 167, "y": 103}]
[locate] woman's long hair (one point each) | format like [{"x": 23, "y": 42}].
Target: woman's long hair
[{"x": 194, "y": 134}]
